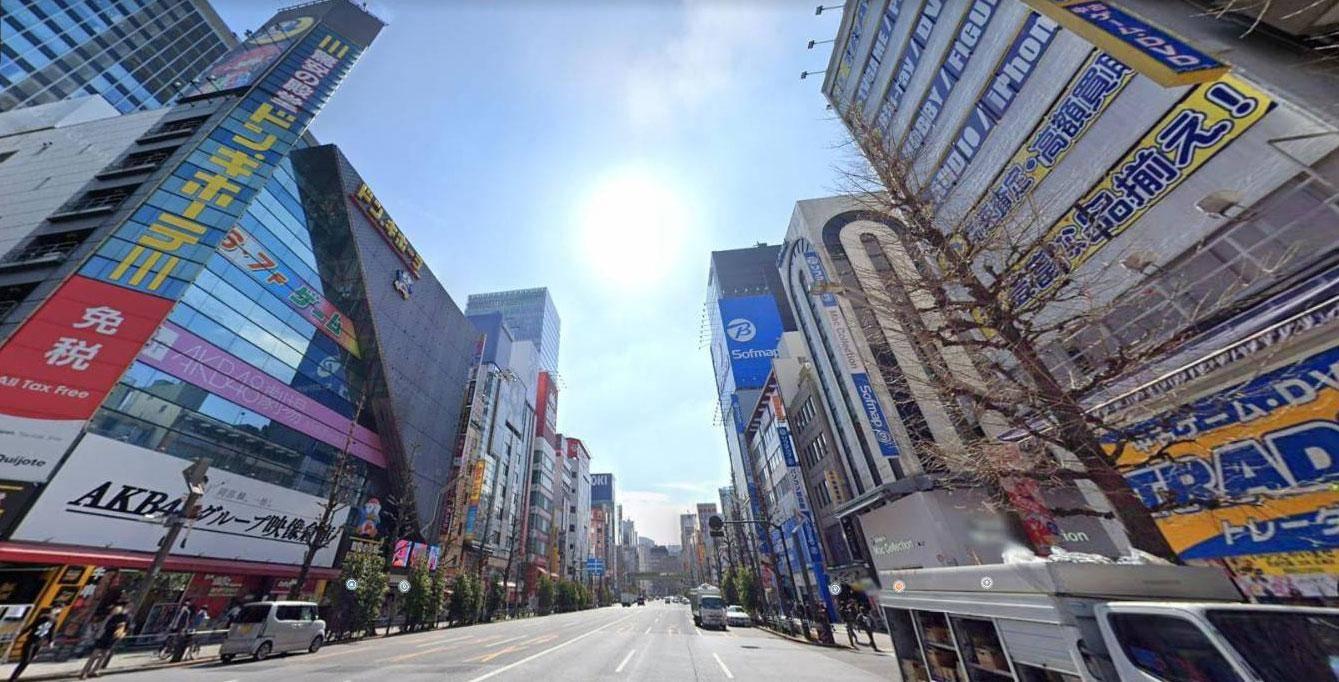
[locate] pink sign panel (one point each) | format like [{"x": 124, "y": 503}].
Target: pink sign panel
[{"x": 190, "y": 358}]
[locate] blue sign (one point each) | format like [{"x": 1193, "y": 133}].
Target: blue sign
[
  {"x": 1166, "y": 59},
  {"x": 752, "y": 327},
  {"x": 601, "y": 488},
  {"x": 1018, "y": 64},
  {"x": 877, "y": 53},
  {"x": 595, "y": 567},
  {"x": 970, "y": 31},
  {"x": 911, "y": 58},
  {"x": 787, "y": 448}
]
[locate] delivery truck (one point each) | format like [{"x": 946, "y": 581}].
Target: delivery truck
[
  {"x": 708, "y": 606},
  {"x": 1071, "y": 622}
]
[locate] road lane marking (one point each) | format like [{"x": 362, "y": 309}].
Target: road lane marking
[
  {"x": 724, "y": 669},
  {"x": 415, "y": 654},
  {"x": 443, "y": 641},
  {"x": 504, "y": 641},
  {"x": 627, "y": 658},
  {"x": 547, "y": 651},
  {"x": 338, "y": 652}
]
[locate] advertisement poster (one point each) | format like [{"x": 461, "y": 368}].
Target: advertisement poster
[
  {"x": 1208, "y": 119},
  {"x": 244, "y": 63},
  {"x": 752, "y": 328},
  {"x": 105, "y": 492},
  {"x": 192, "y": 359},
  {"x": 14, "y": 499},
  {"x": 1249, "y": 470}
]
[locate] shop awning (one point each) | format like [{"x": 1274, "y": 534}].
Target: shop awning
[{"x": 51, "y": 554}]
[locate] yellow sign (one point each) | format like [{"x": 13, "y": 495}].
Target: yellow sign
[
  {"x": 376, "y": 213},
  {"x": 1248, "y": 470},
  {"x": 1202, "y": 124}
]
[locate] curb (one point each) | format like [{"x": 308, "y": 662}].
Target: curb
[
  {"x": 801, "y": 640},
  {"x": 122, "y": 671}
]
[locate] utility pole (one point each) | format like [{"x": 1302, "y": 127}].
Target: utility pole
[{"x": 195, "y": 476}]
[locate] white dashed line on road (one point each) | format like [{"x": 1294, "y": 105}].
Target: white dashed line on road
[
  {"x": 547, "y": 651},
  {"x": 627, "y": 658},
  {"x": 648, "y": 629},
  {"x": 724, "y": 669}
]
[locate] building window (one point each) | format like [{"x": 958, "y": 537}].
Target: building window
[
  {"x": 146, "y": 159},
  {"x": 178, "y": 128},
  {"x": 102, "y": 200}
]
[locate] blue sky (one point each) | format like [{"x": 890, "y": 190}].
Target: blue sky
[{"x": 601, "y": 149}]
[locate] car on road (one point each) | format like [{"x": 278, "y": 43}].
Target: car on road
[
  {"x": 736, "y": 616},
  {"x": 262, "y": 629}
]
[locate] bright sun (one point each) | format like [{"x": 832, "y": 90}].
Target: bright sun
[{"x": 633, "y": 226}]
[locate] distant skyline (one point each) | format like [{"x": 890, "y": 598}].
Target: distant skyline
[{"x": 602, "y": 150}]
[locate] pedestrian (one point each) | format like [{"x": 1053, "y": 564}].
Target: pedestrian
[
  {"x": 849, "y": 617},
  {"x": 113, "y": 630},
  {"x": 39, "y": 634},
  {"x": 176, "y": 630},
  {"x": 231, "y": 615},
  {"x": 197, "y": 623},
  {"x": 867, "y": 624}
]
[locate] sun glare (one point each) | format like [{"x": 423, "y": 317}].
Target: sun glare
[{"x": 633, "y": 227}]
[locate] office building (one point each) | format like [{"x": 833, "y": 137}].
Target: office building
[
  {"x": 538, "y": 528},
  {"x": 1049, "y": 146},
  {"x": 604, "y": 524},
  {"x": 746, "y": 314},
  {"x": 530, "y": 314},
  {"x": 136, "y": 54},
  {"x": 574, "y": 536}
]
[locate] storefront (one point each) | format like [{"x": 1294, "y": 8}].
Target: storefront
[{"x": 86, "y": 584}]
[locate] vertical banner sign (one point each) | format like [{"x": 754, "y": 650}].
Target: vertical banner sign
[
  {"x": 1020, "y": 61},
  {"x": 847, "y": 351},
  {"x": 69, "y": 354},
  {"x": 852, "y": 47},
  {"x": 877, "y": 52},
  {"x": 1088, "y": 94},
  {"x": 813, "y": 551},
  {"x": 752, "y": 327},
  {"x": 1161, "y": 56},
  {"x": 911, "y": 58},
  {"x": 1205, "y": 121},
  {"x": 970, "y": 31}
]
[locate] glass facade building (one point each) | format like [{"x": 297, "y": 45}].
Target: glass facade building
[
  {"x": 138, "y": 54},
  {"x": 531, "y": 316}
]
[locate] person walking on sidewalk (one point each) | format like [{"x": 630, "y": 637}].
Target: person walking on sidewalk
[
  {"x": 39, "y": 634},
  {"x": 113, "y": 630},
  {"x": 849, "y": 618},
  {"x": 867, "y": 624}
]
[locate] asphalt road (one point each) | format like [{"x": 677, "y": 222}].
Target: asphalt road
[{"x": 652, "y": 642}]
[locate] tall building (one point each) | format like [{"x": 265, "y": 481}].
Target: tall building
[
  {"x": 688, "y": 552},
  {"x": 706, "y": 510},
  {"x": 575, "y": 508},
  {"x": 1051, "y": 147},
  {"x": 544, "y": 488},
  {"x": 530, "y": 314},
  {"x": 198, "y": 281},
  {"x": 604, "y": 534},
  {"x": 507, "y": 378},
  {"x": 137, "y": 54},
  {"x": 746, "y": 313}
]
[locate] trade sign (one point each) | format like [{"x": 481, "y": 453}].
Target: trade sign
[
  {"x": 1208, "y": 119},
  {"x": 386, "y": 227},
  {"x": 1161, "y": 56},
  {"x": 1205, "y": 465},
  {"x": 852, "y": 46}
]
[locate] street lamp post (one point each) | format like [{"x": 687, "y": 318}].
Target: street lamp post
[{"x": 196, "y": 478}]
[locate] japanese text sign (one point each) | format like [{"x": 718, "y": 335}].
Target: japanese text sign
[
  {"x": 375, "y": 212},
  {"x": 1202, "y": 124},
  {"x": 1166, "y": 59}
]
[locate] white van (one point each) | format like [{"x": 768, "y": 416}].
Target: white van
[{"x": 271, "y": 627}]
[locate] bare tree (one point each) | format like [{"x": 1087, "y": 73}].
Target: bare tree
[{"x": 949, "y": 294}]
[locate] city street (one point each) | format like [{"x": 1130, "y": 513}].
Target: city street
[{"x": 653, "y": 642}]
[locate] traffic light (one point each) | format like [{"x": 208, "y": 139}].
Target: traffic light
[{"x": 717, "y": 526}]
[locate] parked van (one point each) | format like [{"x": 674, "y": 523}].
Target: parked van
[{"x": 271, "y": 627}]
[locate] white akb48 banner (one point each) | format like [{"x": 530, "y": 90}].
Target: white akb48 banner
[{"x": 107, "y": 489}]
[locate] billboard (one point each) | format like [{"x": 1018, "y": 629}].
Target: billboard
[
  {"x": 601, "y": 488},
  {"x": 1248, "y": 470},
  {"x": 243, "y": 64},
  {"x": 752, "y": 327},
  {"x": 103, "y": 493},
  {"x": 65, "y": 358}
]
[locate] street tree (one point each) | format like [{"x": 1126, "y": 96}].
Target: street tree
[
  {"x": 362, "y": 605},
  {"x": 544, "y": 593},
  {"x": 987, "y": 334}
]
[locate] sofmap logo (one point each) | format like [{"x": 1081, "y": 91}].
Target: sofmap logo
[{"x": 741, "y": 330}]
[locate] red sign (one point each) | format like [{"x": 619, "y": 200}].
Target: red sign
[{"x": 65, "y": 359}]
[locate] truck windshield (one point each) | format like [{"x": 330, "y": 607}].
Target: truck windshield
[
  {"x": 713, "y": 603},
  {"x": 1283, "y": 646}
]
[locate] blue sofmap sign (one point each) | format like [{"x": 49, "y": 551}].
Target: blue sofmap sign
[{"x": 752, "y": 328}]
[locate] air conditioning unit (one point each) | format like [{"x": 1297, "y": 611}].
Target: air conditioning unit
[{"x": 1303, "y": 18}]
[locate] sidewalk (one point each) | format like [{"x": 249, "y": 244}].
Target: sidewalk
[{"x": 121, "y": 663}]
